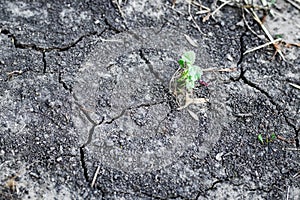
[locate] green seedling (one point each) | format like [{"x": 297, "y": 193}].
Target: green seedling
[
  {"x": 271, "y": 138},
  {"x": 260, "y": 138},
  {"x": 191, "y": 73},
  {"x": 184, "y": 80},
  {"x": 268, "y": 139},
  {"x": 278, "y": 36},
  {"x": 272, "y": 2}
]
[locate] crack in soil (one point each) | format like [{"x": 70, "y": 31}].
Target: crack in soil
[
  {"x": 113, "y": 28},
  {"x": 20, "y": 45},
  {"x": 278, "y": 107},
  {"x": 44, "y": 61},
  {"x": 62, "y": 82},
  {"x": 130, "y": 108},
  {"x": 95, "y": 124},
  {"x": 253, "y": 85},
  {"x": 44, "y": 50},
  {"x": 203, "y": 192},
  {"x": 150, "y": 66},
  {"x": 242, "y": 47}
]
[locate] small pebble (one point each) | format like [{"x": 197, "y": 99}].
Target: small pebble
[
  {"x": 219, "y": 156},
  {"x": 59, "y": 159}
]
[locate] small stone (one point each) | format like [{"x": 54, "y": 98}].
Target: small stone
[
  {"x": 73, "y": 152},
  {"x": 284, "y": 170},
  {"x": 232, "y": 28},
  {"x": 109, "y": 143},
  {"x": 241, "y": 23},
  {"x": 59, "y": 159},
  {"x": 229, "y": 57},
  {"x": 219, "y": 156},
  {"x": 34, "y": 175}
]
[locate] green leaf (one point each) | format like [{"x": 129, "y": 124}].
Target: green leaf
[
  {"x": 278, "y": 36},
  {"x": 272, "y": 2},
  {"x": 189, "y": 57},
  {"x": 191, "y": 72},
  {"x": 195, "y": 72},
  {"x": 273, "y": 136},
  {"x": 260, "y": 139},
  {"x": 181, "y": 63}
]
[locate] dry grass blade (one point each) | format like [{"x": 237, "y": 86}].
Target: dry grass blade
[
  {"x": 246, "y": 23},
  {"x": 203, "y": 9},
  {"x": 202, "y": 12},
  {"x": 194, "y": 21},
  {"x": 215, "y": 11},
  {"x": 296, "y": 175},
  {"x": 288, "y": 45},
  {"x": 191, "y": 41},
  {"x": 231, "y": 69},
  {"x": 12, "y": 184},
  {"x": 119, "y": 7},
  {"x": 16, "y": 72},
  {"x": 189, "y": 101},
  {"x": 257, "y": 19},
  {"x": 95, "y": 177},
  {"x": 194, "y": 115},
  {"x": 291, "y": 149},
  {"x": 106, "y": 40},
  {"x": 294, "y": 4},
  {"x": 294, "y": 85},
  {"x": 262, "y": 46}
]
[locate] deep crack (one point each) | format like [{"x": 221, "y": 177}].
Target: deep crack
[
  {"x": 113, "y": 28},
  {"x": 95, "y": 124},
  {"x": 44, "y": 61},
  {"x": 253, "y": 85},
  {"x": 130, "y": 108},
  {"x": 63, "y": 83},
  {"x": 242, "y": 46},
  {"x": 278, "y": 107},
  {"x": 20, "y": 45},
  {"x": 83, "y": 164},
  {"x": 150, "y": 66}
]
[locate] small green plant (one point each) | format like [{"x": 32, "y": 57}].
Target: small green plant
[
  {"x": 260, "y": 138},
  {"x": 268, "y": 139},
  {"x": 278, "y": 36},
  {"x": 184, "y": 80},
  {"x": 191, "y": 73}
]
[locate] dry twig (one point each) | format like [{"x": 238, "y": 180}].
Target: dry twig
[
  {"x": 192, "y": 18},
  {"x": 16, "y": 72},
  {"x": 285, "y": 140},
  {"x": 246, "y": 23},
  {"x": 95, "y": 176},
  {"x": 294, "y": 4},
  {"x": 119, "y": 8},
  {"x": 257, "y": 19},
  {"x": 264, "y": 45},
  {"x": 291, "y": 149},
  {"x": 220, "y": 70},
  {"x": 215, "y": 11},
  {"x": 295, "y": 86}
]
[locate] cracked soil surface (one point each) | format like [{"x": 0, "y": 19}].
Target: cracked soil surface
[{"x": 86, "y": 111}]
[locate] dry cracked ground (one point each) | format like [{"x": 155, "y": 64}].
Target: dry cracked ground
[{"x": 86, "y": 110}]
